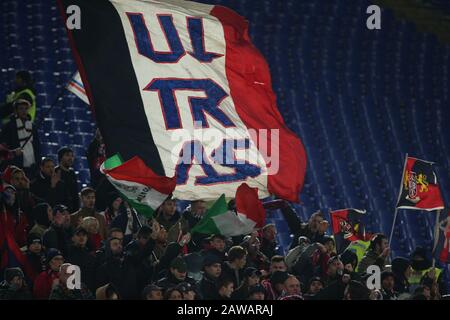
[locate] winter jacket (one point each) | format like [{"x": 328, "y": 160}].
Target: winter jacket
[
  {"x": 57, "y": 237},
  {"x": 7, "y": 292},
  {"x": 208, "y": 288},
  {"x": 237, "y": 276},
  {"x": 69, "y": 178},
  {"x": 371, "y": 258},
  {"x": 42, "y": 188},
  {"x": 86, "y": 261},
  {"x": 43, "y": 284},
  {"x": 62, "y": 293},
  {"x": 170, "y": 281}
]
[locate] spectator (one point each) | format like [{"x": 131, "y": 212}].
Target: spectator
[
  {"x": 14, "y": 286},
  {"x": 356, "y": 291},
  {"x": 212, "y": 272},
  {"x": 118, "y": 270},
  {"x": 35, "y": 254},
  {"x": 191, "y": 216},
  {"x": 422, "y": 268},
  {"x": 167, "y": 214},
  {"x": 252, "y": 277},
  {"x": 234, "y": 268},
  {"x": 61, "y": 290},
  {"x": 216, "y": 246},
  {"x": 173, "y": 294},
  {"x": 187, "y": 291},
  {"x": 59, "y": 234},
  {"x": 126, "y": 222},
  {"x": 275, "y": 286},
  {"x": 79, "y": 254},
  {"x": 177, "y": 274},
  {"x": 20, "y": 135},
  {"x": 23, "y": 89},
  {"x": 152, "y": 292},
  {"x": 294, "y": 254},
  {"x": 335, "y": 269},
  {"x": 46, "y": 279},
  {"x": 314, "y": 230},
  {"x": 26, "y": 200},
  {"x": 256, "y": 292},
  {"x": 350, "y": 261},
  {"x": 48, "y": 186},
  {"x": 377, "y": 253},
  {"x": 112, "y": 211},
  {"x": 226, "y": 288},
  {"x": 291, "y": 289},
  {"x": 315, "y": 286},
  {"x": 107, "y": 292},
  {"x": 88, "y": 210},
  {"x": 387, "y": 286},
  {"x": 69, "y": 177},
  {"x": 401, "y": 267},
  {"x": 91, "y": 225},
  {"x": 268, "y": 240},
  {"x": 15, "y": 221},
  {"x": 100, "y": 254},
  {"x": 43, "y": 217},
  {"x": 277, "y": 263},
  {"x": 255, "y": 257}
]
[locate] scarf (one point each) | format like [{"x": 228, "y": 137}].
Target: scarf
[{"x": 24, "y": 131}]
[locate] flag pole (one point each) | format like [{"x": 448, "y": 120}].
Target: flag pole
[
  {"x": 436, "y": 234},
  {"x": 398, "y": 200}
]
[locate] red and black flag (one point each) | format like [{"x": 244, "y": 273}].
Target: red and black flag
[
  {"x": 347, "y": 227},
  {"x": 442, "y": 238},
  {"x": 419, "y": 189}
]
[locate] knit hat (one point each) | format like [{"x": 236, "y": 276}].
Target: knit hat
[
  {"x": 256, "y": 289},
  {"x": 349, "y": 256},
  {"x": 179, "y": 264},
  {"x": 211, "y": 259},
  {"x": 399, "y": 265},
  {"x": 33, "y": 238},
  {"x": 10, "y": 273},
  {"x": 278, "y": 277},
  {"x": 52, "y": 253}
]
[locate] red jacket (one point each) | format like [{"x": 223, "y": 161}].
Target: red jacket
[{"x": 43, "y": 284}]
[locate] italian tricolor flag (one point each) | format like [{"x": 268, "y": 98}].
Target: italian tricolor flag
[
  {"x": 219, "y": 219},
  {"x": 144, "y": 190}
]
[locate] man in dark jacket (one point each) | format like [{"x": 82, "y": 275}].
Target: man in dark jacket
[
  {"x": 401, "y": 267},
  {"x": 216, "y": 247},
  {"x": 119, "y": 270},
  {"x": 176, "y": 275},
  {"x": 78, "y": 254},
  {"x": 35, "y": 254},
  {"x": 59, "y": 234},
  {"x": 376, "y": 254},
  {"x": 314, "y": 230},
  {"x": 269, "y": 241},
  {"x": 192, "y": 215},
  {"x": 208, "y": 286},
  {"x": 14, "y": 286},
  {"x": 48, "y": 186},
  {"x": 69, "y": 177},
  {"x": 234, "y": 268},
  {"x": 20, "y": 135}
]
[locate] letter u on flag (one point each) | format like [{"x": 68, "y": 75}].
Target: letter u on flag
[
  {"x": 419, "y": 188},
  {"x": 180, "y": 85}
]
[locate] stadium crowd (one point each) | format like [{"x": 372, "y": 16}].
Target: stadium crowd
[{"x": 48, "y": 224}]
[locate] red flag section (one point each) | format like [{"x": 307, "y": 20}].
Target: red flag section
[{"x": 247, "y": 203}]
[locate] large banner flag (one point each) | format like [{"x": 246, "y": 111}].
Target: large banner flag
[
  {"x": 180, "y": 85},
  {"x": 442, "y": 238},
  {"x": 348, "y": 226},
  {"x": 144, "y": 190},
  {"x": 76, "y": 86},
  {"x": 419, "y": 189}
]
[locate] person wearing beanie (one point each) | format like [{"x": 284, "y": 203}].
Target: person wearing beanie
[
  {"x": 14, "y": 286},
  {"x": 16, "y": 223},
  {"x": 69, "y": 177},
  {"x": 59, "y": 234},
  {"x": 387, "y": 286},
  {"x": 401, "y": 267},
  {"x": 43, "y": 217},
  {"x": 35, "y": 254},
  {"x": 46, "y": 279},
  {"x": 252, "y": 277},
  {"x": 176, "y": 275},
  {"x": 62, "y": 291},
  {"x": 256, "y": 292},
  {"x": 212, "y": 271}
]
